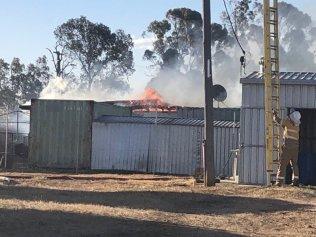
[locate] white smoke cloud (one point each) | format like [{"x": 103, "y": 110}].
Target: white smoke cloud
[
  {"x": 143, "y": 42},
  {"x": 59, "y": 88},
  {"x": 178, "y": 89}
]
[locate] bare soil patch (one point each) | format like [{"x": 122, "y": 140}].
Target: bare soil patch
[{"x": 40, "y": 204}]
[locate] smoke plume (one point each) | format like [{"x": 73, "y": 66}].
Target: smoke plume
[
  {"x": 59, "y": 88},
  {"x": 181, "y": 85},
  {"x": 297, "y": 53}
]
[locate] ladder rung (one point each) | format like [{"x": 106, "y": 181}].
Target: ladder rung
[{"x": 273, "y": 9}]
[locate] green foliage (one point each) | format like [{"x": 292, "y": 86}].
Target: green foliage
[
  {"x": 179, "y": 40},
  {"x": 20, "y": 83},
  {"x": 244, "y": 14},
  {"x": 101, "y": 54}
]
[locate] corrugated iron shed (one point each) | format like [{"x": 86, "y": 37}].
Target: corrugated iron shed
[
  {"x": 61, "y": 131},
  {"x": 159, "y": 145},
  {"x": 220, "y": 114},
  {"x": 298, "y": 90},
  {"x": 298, "y": 78}
]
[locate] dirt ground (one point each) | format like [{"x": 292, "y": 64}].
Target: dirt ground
[{"x": 38, "y": 204}]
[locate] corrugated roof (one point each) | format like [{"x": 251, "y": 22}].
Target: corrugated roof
[
  {"x": 285, "y": 77},
  {"x": 163, "y": 121}
]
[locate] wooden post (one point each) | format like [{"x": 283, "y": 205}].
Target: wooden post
[{"x": 209, "y": 174}]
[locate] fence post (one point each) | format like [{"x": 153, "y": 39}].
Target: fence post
[{"x": 6, "y": 138}]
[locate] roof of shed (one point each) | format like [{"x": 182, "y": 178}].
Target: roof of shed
[
  {"x": 285, "y": 78},
  {"x": 162, "y": 121}
]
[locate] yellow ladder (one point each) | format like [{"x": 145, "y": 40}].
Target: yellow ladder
[{"x": 272, "y": 85}]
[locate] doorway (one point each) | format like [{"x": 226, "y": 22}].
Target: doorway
[{"x": 307, "y": 150}]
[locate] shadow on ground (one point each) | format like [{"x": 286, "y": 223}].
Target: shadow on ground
[
  {"x": 29, "y": 222},
  {"x": 188, "y": 203}
]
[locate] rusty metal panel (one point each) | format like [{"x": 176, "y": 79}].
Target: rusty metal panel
[{"x": 60, "y": 133}]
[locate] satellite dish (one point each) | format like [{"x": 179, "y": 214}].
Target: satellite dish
[{"x": 220, "y": 93}]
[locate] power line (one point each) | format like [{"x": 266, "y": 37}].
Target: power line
[{"x": 231, "y": 24}]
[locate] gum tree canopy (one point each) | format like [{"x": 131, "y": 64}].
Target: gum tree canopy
[{"x": 103, "y": 55}]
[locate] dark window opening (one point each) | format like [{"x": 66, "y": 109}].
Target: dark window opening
[{"x": 307, "y": 150}]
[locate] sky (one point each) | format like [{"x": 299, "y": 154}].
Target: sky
[{"x": 27, "y": 25}]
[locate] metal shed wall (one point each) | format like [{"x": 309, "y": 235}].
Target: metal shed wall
[
  {"x": 104, "y": 108},
  {"x": 120, "y": 146},
  {"x": 226, "y": 139},
  {"x": 220, "y": 114},
  {"x": 146, "y": 148},
  {"x": 296, "y": 92},
  {"x": 175, "y": 149},
  {"x": 60, "y": 133},
  {"x": 141, "y": 145}
]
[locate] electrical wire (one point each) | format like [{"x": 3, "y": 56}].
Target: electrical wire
[{"x": 231, "y": 24}]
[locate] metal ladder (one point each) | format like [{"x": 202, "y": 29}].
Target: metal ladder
[{"x": 272, "y": 86}]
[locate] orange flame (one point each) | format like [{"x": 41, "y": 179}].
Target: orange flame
[
  {"x": 152, "y": 101},
  {"x": 152, "y": 95}
]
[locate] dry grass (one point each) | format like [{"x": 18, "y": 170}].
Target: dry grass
[{"x": 148, "y": 205}]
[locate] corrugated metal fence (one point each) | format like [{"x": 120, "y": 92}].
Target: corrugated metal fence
[{"x": 163, "y": 145}]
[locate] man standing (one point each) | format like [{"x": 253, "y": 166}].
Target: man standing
[{"x": 290, "y": 146}]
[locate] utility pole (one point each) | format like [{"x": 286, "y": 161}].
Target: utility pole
[{"x": 209, "y": 174}]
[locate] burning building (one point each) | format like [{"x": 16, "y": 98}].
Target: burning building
[
  {"x": 151, "y": 104},
  {"x": 144, "y": 135}
]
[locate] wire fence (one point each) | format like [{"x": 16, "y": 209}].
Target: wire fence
[{"x": 14, "y": 129}]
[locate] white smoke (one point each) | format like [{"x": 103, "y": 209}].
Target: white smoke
[
  {"x": 56, "y": 87},
  {"x": 178, "y": 88},
  {"x": 188, "y": 89},
  {"x": 143, "y": 42},
  {"x": 59, "y": 88},
  {"x": 297, "y": 53}
]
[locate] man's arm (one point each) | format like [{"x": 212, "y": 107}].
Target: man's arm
[{"x": 276, "y": 118}]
